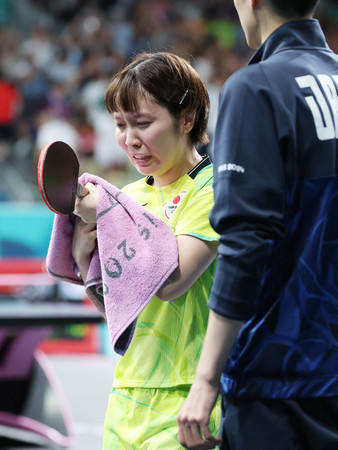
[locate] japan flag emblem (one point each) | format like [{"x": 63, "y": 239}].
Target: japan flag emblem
[{"x": 173, "y": 204}]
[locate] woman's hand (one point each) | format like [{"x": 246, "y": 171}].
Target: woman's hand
[
  {"x": 85, "y": 207},
  {"x": 84, "y": 242}
]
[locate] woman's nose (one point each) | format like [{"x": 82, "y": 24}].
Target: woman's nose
[{"x": 132, "y": 138}]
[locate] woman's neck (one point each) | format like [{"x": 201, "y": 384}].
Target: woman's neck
[{"x": 180, "y": 169}]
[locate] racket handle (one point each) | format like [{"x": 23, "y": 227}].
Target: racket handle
[{"x": 81, "y": 191}]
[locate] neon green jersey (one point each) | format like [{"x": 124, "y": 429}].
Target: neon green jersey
[{"x": 169, "y": 335}]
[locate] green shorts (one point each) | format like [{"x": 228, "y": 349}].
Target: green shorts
[{"x": 145, "y": 419}]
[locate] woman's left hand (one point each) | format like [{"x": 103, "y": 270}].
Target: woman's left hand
[
  {"x": 83, "y": 246},
  {"x": 85, "y": 207}
]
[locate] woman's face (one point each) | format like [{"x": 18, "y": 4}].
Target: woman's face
[{"x": 153, "y": 141}]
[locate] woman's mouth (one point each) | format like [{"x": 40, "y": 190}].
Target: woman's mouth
[{"x": 141, "y": 160}]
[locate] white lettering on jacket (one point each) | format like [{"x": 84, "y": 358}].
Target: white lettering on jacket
[
  {"x": 323, "y": 103},
  {"x": 231, "y": 167}
]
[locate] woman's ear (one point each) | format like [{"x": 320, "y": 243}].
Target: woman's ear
[{"x": 187, "y": 122}]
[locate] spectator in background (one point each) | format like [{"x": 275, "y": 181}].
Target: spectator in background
[
  {"x": 51, "y": 127},
  {"x": 10, "y": 108}
]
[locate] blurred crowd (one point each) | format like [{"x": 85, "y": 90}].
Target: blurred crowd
[{"x": 57, "y": 58}]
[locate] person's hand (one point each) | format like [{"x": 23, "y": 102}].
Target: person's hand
[
  {"x": 85, "y": 207},
  {"x": 193, "y": 419},
  {"x": 83, "y": 246}
]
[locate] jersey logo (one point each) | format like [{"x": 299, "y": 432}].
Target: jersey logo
[
  {"x": 172, "y": 206},
  {"x": 323, "y": 103}
]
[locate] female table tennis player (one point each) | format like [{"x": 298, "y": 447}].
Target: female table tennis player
[{"x": 161, "y": 109}]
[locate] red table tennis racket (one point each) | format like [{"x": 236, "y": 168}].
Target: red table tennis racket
[{"x": 58, "y": 172}]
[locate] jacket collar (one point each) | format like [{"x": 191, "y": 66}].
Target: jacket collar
[{"x": 305, "y": 33}]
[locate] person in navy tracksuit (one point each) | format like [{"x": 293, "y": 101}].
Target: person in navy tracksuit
[{"x": 273, "y": 326}]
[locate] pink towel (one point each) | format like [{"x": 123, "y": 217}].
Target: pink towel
[{"x": 135, "y": 253}]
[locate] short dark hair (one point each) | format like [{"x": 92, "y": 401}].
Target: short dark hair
[
  {"x": 171, "y": 81},
  {"x": 293, "y": 8}
]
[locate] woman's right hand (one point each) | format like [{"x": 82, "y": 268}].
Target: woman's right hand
[{"x": 84, "y": 242}]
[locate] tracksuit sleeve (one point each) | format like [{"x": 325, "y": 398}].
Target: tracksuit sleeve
[{"x": 249, "y": 193}]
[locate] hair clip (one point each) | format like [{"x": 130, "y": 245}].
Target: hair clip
[{"x": 183, "y": 97}]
